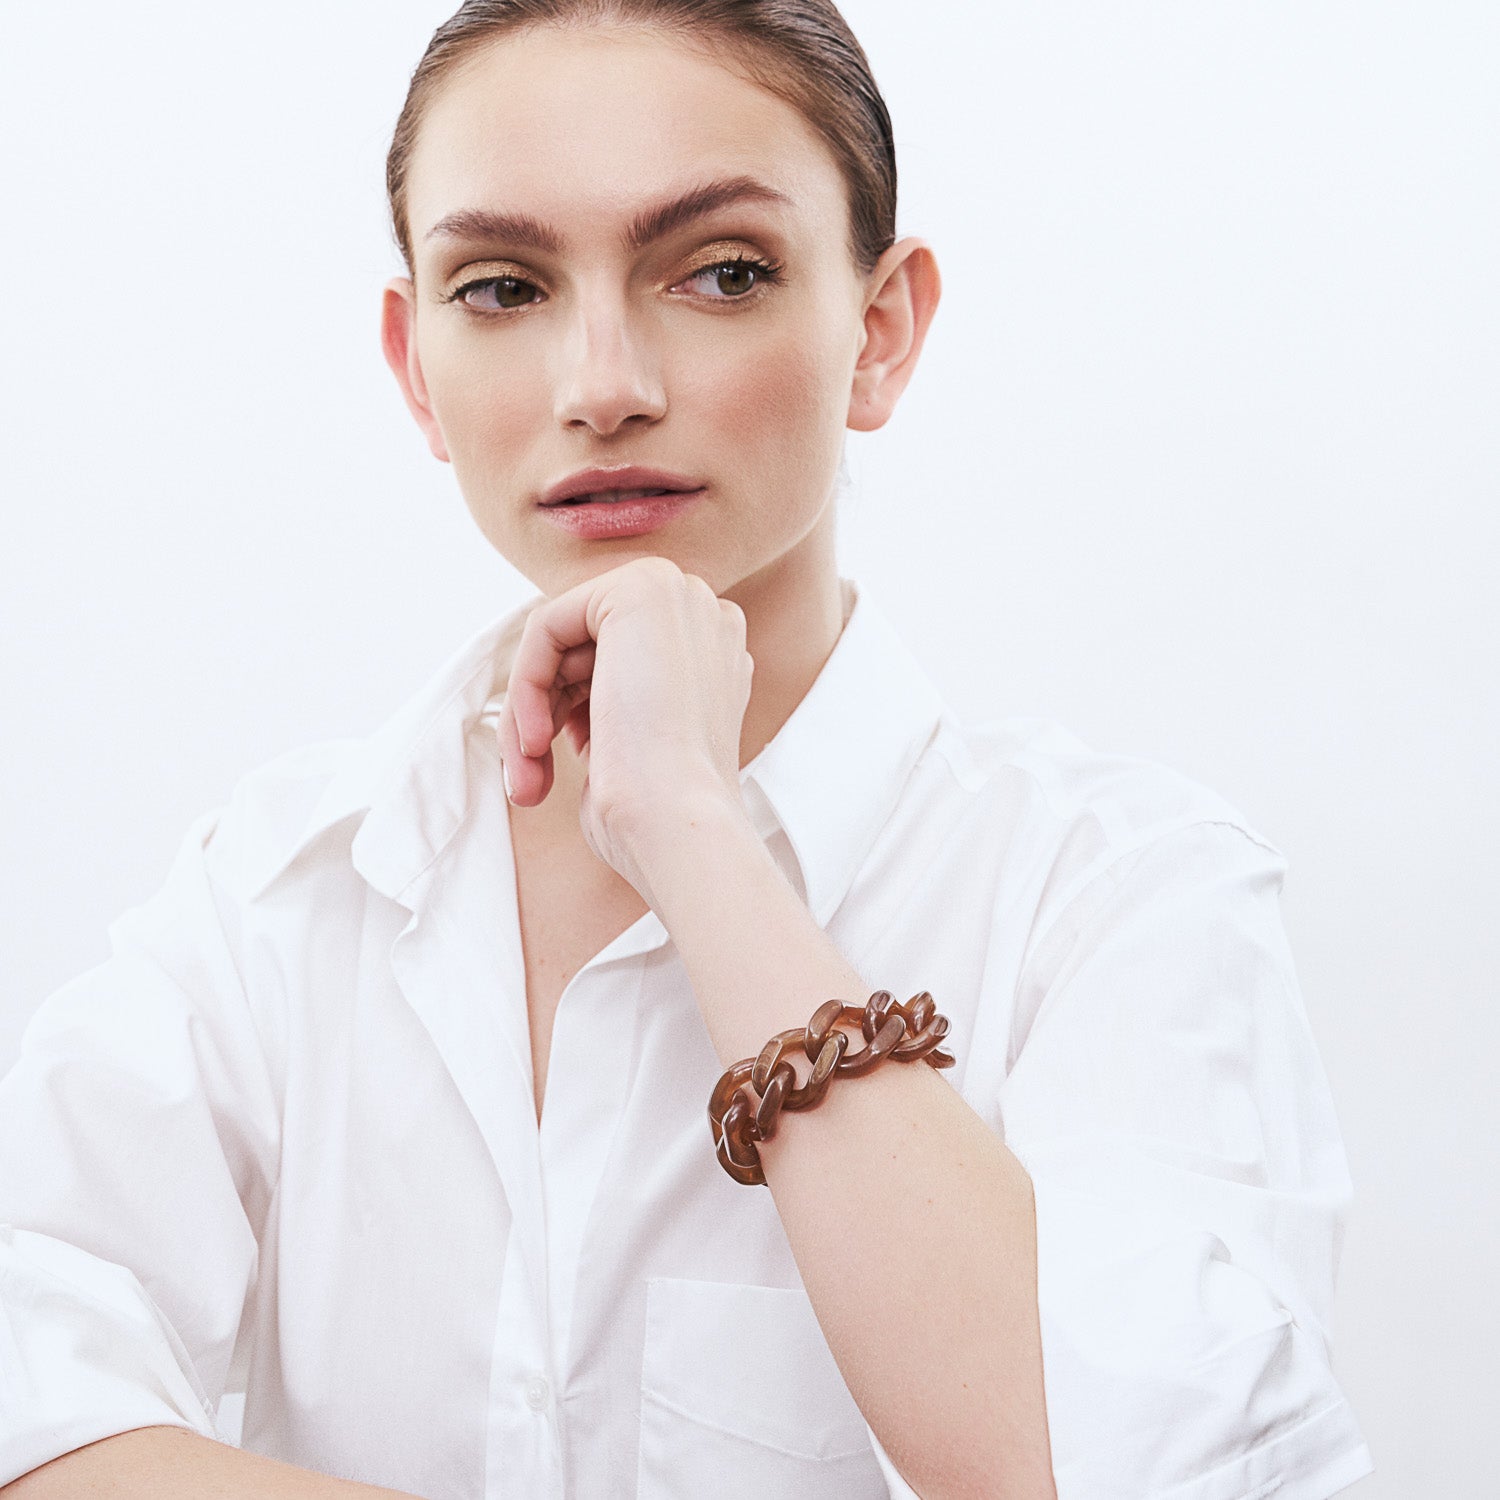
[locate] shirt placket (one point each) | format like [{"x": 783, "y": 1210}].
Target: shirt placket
[
  {"x": 588, "y": 1077},
  {"x": 461, "y": 965},
  {"x": 524, "y": 1452},
  {"x": 594, "y": 1041}
]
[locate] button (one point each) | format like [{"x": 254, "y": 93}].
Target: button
[{"x": 537, "y": 1391}]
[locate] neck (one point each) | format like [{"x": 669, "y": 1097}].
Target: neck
[{"x": 794, "y": 614}]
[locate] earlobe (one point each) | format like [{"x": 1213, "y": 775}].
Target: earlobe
[
  {"x": 899, "y": 312},
  {"x": 398, "y": 331}
]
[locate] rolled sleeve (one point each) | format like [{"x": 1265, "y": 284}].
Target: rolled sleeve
[
  {"x": 1190, "y": 1182},
  {"x": 138, "y": 1142}
]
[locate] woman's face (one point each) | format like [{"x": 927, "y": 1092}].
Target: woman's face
[{"x": 602, "y": 338}]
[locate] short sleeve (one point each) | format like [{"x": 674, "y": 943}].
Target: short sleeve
[
  {"x": 1191, "y": 1186},
  {"x": 138, "y": 1144}
]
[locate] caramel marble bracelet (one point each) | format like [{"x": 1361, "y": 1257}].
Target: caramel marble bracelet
[{"x": 738, "y": 1123}]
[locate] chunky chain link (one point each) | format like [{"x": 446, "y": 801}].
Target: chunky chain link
[{"x": 738, "y": 1123}]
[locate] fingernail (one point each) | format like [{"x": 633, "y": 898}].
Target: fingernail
[{"x": 510, "y": 791}]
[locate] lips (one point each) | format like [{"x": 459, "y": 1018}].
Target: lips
[
  {"x": 613, "y": 497},
  {"x": 609, "y": 486},
  {"x": 623, "y": 520}
]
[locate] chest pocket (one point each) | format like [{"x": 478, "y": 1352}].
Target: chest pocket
[{"x": 740, "y": 1397}]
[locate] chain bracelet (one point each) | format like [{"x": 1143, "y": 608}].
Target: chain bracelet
[{"x": 738, "y": 1123}]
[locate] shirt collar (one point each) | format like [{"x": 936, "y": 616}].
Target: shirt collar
[
  {"x": 831, "y": 776},
  {"x": 828, "y": 780}
]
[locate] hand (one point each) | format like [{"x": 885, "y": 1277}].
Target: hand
[{"x": 646, "y": 671}]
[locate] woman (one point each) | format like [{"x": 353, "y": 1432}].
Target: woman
[{"x": 389, "y": 1109}]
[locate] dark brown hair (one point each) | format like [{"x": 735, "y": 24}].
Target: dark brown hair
[{"x": 800, "y": 50}]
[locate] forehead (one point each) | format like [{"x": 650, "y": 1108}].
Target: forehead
[{"x": 584, "y": 125}]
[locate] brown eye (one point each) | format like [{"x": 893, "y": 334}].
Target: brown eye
[
  {"x": 733, "y": 280},
  {"x": 496, "y": 292},
  {"x": 736, "y": 279}
]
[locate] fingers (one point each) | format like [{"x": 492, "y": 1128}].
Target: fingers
[
  {"x": 552, "y": 670},
  {"x": 568, "y": 701},
  {"x": 577, "y": 728},
  {"x": 555, "y": 648},
  {"x": 527, "y": 782},
  {"x": 735, "y": 617},
  {"x": 556, "y": 652},
  {"x": 530, "y": 778}
]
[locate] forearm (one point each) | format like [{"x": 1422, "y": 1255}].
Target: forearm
[
  {"x": 912, "y": 1224},
  {"x": 165, "y": 1463}
]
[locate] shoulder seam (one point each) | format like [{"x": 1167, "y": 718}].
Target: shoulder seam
[{"x": 1111, "y": 870}]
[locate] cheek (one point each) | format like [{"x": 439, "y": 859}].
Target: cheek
[
  {"x": 779, "y": 406},
  {"x": 485, "y": 405}
]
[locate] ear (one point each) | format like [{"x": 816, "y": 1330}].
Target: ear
[
  {"x": 398, "y": 338},
  {"x": 901, "y": 297}
]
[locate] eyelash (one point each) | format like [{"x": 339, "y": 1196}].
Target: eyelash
[{"x": 769, "y": 273}]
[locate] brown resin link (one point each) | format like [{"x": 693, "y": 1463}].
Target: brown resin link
[{"x": 738, "y": 1123}]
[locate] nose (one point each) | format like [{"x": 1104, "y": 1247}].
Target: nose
[{"x": 610, "y": 374}]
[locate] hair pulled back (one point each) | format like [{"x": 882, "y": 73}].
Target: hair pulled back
[{"x": 800, "y": 50}]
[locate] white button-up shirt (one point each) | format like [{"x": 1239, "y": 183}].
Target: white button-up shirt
[{"x": 284, "y": 1142}]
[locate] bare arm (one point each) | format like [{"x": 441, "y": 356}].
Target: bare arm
[
  {"x": 165, "y": 1463},
  {"x": 911, "y": 1222}
]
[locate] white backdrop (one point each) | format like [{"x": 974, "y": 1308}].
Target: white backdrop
[{"x": 1202, "y": 460}]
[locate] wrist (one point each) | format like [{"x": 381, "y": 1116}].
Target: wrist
[{"x": 669, "y": 839}]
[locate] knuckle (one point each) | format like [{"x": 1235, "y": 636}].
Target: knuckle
[
  {"x": 657, "y": 569},
  {"x": 533, "y": 630},
  {"x": 615, "y": 816}
]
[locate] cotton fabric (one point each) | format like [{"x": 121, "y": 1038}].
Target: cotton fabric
[{"x": 284, "y": 1140}]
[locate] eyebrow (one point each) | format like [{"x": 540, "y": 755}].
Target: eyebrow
[{"x": 529, "y": 233}]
